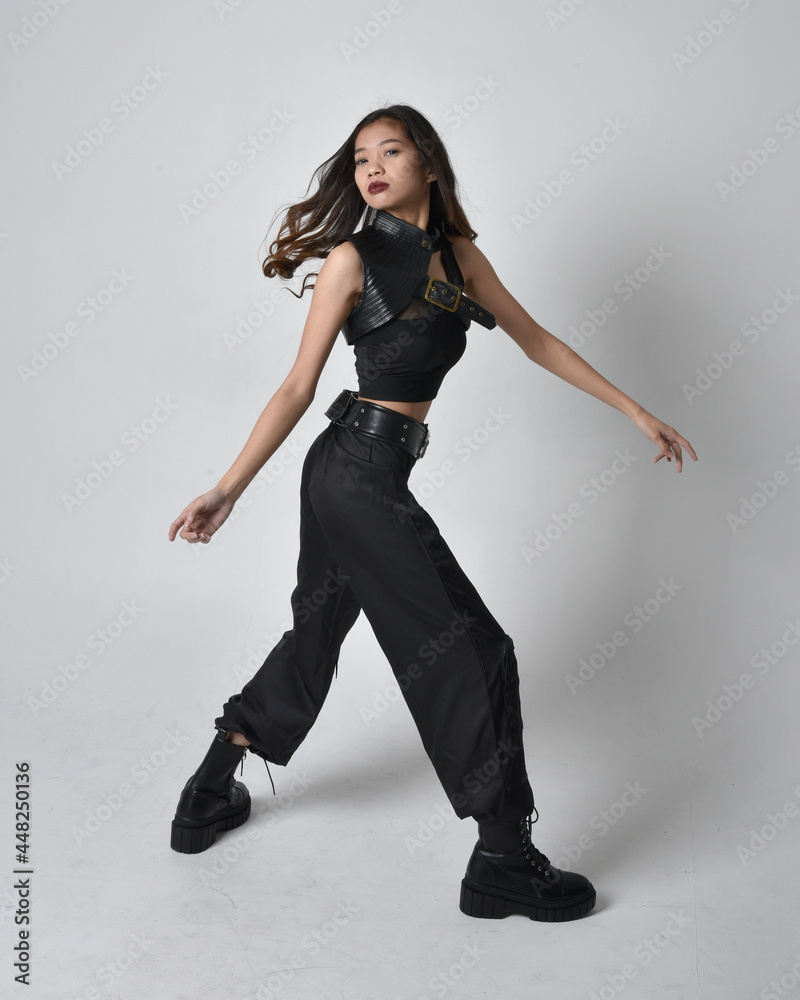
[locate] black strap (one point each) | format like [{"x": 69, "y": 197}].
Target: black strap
[
  {"x": 451, "y": 268},
  {"x": 448, "y": 294},
  {"x": 450, "y": 297}
]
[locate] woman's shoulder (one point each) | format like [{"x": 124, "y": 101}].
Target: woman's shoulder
[
  {"x": 471, "y": 260},
  {"x": 344, "y": 257},
  {"x": 463, "y": 246},
  {"x": 342, "y": 267}
]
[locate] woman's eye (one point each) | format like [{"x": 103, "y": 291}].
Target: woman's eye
[{"x": 363, "y": 159}]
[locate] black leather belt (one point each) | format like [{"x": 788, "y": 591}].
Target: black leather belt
[
  {"x": 379, "y": 421},
  {"x": 450, "y": 297}
]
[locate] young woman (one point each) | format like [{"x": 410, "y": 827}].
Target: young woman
[{"x": 403, "y": 289}]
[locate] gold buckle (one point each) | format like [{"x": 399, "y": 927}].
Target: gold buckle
[{"x": 440, "y": 304}]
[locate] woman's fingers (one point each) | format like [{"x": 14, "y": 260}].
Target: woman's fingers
[
  {"x": 195, "y": 530},
  {"x": 670, "y": 442},
  {"x": 177, "y": 525},
  {"x": 687, "y": 446},
  {"x": 194, "y": 536},
  {"x": 190, "y": 525}
]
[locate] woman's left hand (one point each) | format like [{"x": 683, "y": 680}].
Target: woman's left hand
[{"x": 667, "y": 438}]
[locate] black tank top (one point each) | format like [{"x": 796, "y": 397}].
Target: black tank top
[{"x": 407, "y": 358}]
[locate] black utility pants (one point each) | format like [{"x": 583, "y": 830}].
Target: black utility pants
[{"x": 365, "y": 542}]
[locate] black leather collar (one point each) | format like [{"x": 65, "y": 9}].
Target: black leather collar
[{"x": 387, "y": 223}]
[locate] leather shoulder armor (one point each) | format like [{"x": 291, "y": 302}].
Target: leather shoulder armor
[{"x": 395, "y": 257}]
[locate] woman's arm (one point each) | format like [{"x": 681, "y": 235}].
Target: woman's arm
[
  {"x": 336, "y": 291},
  {"x": 483, "y": 285}
]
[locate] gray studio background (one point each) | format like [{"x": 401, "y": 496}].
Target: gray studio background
[{"x": 631, "y": 171}]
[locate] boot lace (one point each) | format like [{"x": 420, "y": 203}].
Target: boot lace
[
  {"x": 241, "y": 772},
  {"x": 535, "y": 856}
]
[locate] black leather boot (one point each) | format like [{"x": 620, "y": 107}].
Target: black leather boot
[
  {"x": 211, "y": 799},
  {"x": 507, "y": 874}
]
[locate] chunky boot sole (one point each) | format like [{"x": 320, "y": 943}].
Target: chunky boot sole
[
  {"x": 193, "y": 837},
  {"x": 494, "y": 904}
]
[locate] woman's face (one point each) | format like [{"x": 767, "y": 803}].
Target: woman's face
[{"x": 388, "y": 169}]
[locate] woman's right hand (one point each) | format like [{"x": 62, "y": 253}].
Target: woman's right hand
[{"x": 203, "y": 516}]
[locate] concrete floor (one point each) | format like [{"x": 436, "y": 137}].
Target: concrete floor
[{"x": 346, "y": 883}]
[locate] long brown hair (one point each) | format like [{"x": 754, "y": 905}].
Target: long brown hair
[{"x": 312, "y": 227}]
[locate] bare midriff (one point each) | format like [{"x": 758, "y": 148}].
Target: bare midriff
[{"x": 417, "y": 411}]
